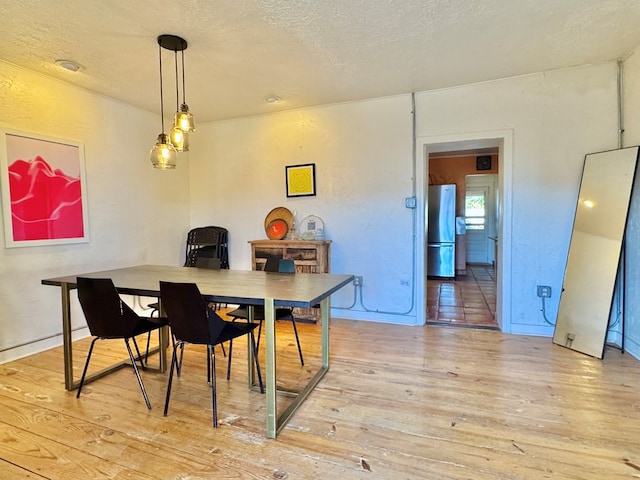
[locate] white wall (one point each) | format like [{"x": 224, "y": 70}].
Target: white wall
[
  {"x": 631, "y": 109},
  {"x": 136, "y": 214},
  {"x": 555, "y": 118},
  {"x": 363, "y": 157},
  {"x": 363, "y": 154}
]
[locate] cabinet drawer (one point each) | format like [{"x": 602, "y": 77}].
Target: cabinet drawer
[
  {"x": 264, "y": 252},
  {"x": 310, "y": 254},
  {"x": 301, "y": 253}
]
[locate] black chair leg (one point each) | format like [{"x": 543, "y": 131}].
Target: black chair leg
[
  {"x": 146, "y": 353},
  {"x": 259, "y": 332},
  {"x": 139, "y": 357},
  {"x": 208, "y": 367},
  {"x": 135, "y": 369},
  {"x": 86, "y": 366},
  {"x": 179, "y": 364},
  {"x": 173, "y": 365},
  {"x": 295, "y": 330},
  {"x": 214, "y": 308},
  {"x": 214, "y": 402},
  {"x": 255, "y": 356},
  {"x": 229, "y": 359}
]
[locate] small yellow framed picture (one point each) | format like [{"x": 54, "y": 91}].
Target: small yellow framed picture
[{"x": 301, "y": 180}]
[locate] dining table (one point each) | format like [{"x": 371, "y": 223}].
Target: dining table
[{"x": 248, "y": 287}]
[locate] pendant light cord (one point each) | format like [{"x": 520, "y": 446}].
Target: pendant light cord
[
  {"x": 175, "y": 61},
  {"x": 183, "y": 87},
  {"x": 161, "y": 96}
]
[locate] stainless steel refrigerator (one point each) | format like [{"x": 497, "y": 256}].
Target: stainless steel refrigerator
[{"x": 441, "y": 231}]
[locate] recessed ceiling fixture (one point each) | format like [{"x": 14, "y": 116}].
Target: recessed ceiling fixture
[
  {"x": 164, "y": 152},
  {"x": 272, "y": 99},
  {"x": 68, "y": 65}
]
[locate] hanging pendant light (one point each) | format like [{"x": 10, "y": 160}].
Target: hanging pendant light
[
  {"x": 183, "y": 118},
  {"x": 164, "y": 152},
  {"x": 179, "y": 138}
]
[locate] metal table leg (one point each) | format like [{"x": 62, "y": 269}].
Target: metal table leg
[
  {"x": 251, "y": 364},
  {"x": 67, "y": 337},
  {"x": 270, "y": 351},
  {"x": 276, "y": 423}
]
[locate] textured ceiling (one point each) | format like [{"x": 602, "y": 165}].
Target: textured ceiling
[{"x": 309, "y": 52}]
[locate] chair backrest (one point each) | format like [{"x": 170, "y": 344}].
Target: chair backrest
[
  {"x": 286, "y": 265},
  {"x": 208, "y": 242},
  {"x": 107, "y": 315},
  {"x": 209, "y": 263},
  {"x": 272, "y": 264},
  {"x": 279, "y": 265},
  {"x": 190, "y": 319}
]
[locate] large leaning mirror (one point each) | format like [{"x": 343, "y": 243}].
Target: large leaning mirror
[{"x": 594, "y": 253}]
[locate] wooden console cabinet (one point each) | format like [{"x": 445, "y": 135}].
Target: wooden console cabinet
[{"x": 309, "y": 256}]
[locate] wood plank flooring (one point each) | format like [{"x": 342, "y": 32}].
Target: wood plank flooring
[{"x": 398, "y": 403}]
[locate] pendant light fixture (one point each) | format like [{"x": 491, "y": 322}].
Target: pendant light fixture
[
  {"x": 164, "y": 152},
  {"x": 179, "y": 138},
  {"x": 183, "y": 118}
]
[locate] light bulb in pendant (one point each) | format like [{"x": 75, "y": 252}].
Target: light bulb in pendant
[
  {"x": 180, "y": 139},
  {"x": 163, "y": 155}
]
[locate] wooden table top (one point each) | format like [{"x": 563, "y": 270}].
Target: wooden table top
[{"x": 224, "y": 286}]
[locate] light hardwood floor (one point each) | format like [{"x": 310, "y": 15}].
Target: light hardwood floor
[{"x": 398, "y": 403}]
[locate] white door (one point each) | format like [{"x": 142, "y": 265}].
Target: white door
[{"x": 480, "y": 218}]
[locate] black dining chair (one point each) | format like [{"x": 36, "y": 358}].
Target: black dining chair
[
  {"x": 273, "y": 265},
  {"x": 205, "y": 247},
  {"x": 193, "y": 322},
  {"x": 207, "y": 242},
  {"x": 200, "y": 262},
  {"x": 108, "y": 317}
]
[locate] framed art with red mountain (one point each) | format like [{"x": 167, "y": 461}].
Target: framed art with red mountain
[{"x": 43, "y": 190}]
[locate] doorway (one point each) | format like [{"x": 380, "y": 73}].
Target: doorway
[
  {"x": 434, "y": 147},
  {"x": 469, "y": 299}
]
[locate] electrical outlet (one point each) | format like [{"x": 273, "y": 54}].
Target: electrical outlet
[
  {"x": 544, "y": 291},
  {"x": 357, "y": 280}
]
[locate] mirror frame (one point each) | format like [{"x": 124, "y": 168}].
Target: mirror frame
[{"x": 595, "y": 250}]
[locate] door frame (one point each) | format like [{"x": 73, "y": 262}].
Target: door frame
[{"x": 503, "y": 139}]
